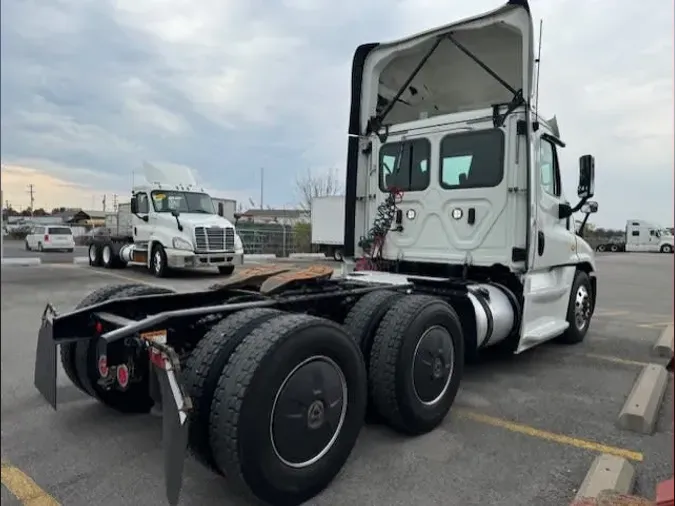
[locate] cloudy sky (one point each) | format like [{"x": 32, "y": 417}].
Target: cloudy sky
[{"x": 91, "y": 88}]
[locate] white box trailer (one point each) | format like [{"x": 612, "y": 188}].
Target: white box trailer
[
  {"x": 225, "y": 208},
  {"x": 328, "y": 225}
]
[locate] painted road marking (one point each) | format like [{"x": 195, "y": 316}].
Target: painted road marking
[
  {"x": 550, "y": 436},
  {"x": 656, "y": 325},
  {"x": 24, "y": 488},
  {"x": 616, "y": 360}
]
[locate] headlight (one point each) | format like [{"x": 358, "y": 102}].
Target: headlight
[
  {"x": 238, "y": 245},
  {"x": 179, "y": 243}
]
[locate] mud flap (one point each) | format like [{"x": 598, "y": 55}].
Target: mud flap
[
  {"x": 45, "y": 357},
  {"x": 176, "y": 407}
]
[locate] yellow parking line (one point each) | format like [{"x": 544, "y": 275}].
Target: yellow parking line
[
  {"x": 600, "y": 312},
  {"x": 656, "y": 325},
  {"x": 616, "y": 360},
  {"x": 551, "y": 436},
  {"x": 24, "y": 488}
]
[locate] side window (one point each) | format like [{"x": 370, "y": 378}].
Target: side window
[
  {"x": 549, "y": 170},
  {"x": 635, "y": 233},
  {"x": 405, "y": 165},
  {"x": 472, "y": 159},
  {"x": 143, "y": 204},
  {"x": 652, "y": 233}
]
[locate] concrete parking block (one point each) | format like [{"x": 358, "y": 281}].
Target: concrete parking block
[
  {"x": 664, "y": 345},
  {"x": 641, "y": 409},
  {"x": 608, "y": 473},
  {"x": 306, "y": 255},
  {"x": 81, "y": 260}
]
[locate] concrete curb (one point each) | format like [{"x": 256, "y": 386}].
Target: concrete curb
[
  {"x": 25, "y": 261},
  {"x": 641, "y": 409},
  {"x": 306, "y": 255},
  {"x": 664, "y": 345},
  {"x": 608, "y": 473},
  {"x": 267, "y": 256}
]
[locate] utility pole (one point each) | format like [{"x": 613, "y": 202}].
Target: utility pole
[
  {"x": 262, "y": 184},
  {"x": 115, "y": 202},
  {"x": 31, "y": 192},
  {"x": 103, "y": 202}
]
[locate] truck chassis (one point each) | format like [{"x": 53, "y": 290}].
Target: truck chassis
[{"x": 268, "y": 376}]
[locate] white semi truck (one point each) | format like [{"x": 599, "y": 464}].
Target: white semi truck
[
  {"x": 170, "y": 223},
  {"x": 641, "y": 237},
  {"x": 460, "y": 236},
  {"x": 328, "y": 225}
]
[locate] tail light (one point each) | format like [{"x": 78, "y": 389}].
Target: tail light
[{"x": 46, "y": 238}]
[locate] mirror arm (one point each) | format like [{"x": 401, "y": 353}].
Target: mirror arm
[{"x": 580, "y": 232}]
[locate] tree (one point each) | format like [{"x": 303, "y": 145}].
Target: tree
[{"x": 311, "y": 185}]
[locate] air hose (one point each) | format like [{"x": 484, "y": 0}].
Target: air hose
[{"x": 373, "y": 242}]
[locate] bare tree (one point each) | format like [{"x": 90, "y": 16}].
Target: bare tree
[{"x": 311, "y": 185}]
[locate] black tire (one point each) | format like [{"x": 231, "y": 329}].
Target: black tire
[
  {"x": 67, "y": 351},
  {"x": 204, "y": 367},
  {"x": 666, "y": 248},
  {"x": 600, "y": 248},
  {"x": 40, "y": 248},
  {"x": 158, "y": 266},
  {"x": 226, "y": 270},
  {"x": 94, "y": 254},
  {"x": 365, "y": 316},
  {"x": 395, "y": 356},
  {"x": 136, "y": 398},
  {"x": 337, "y": 254},
  {"x": 26, "y": 246},
  {"x": 243, "y": 440},
  {"x": 575, "y": 333},
  {"x": 107, "y": 256},
  {"x": 613, "y": 248}
]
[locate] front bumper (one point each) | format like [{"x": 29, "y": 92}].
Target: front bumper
[{"x": 188, "y": 259}]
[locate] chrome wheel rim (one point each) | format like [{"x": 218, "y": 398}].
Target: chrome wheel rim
[
  {"x": 106, "y": 255},
  {"x": 158, "y": 261},
  {"x": 582, "y": 308},
  {"x": 433, "y": 365}
]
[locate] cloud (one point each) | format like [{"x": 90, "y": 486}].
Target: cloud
[{"x": 228, "y": 87}]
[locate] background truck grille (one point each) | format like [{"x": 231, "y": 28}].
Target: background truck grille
[{"x": 214, "y": 239}]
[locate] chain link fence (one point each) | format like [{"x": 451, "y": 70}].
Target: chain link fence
[{"x": 279, "y": 240}]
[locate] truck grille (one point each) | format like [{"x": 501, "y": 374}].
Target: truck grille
[{"x": 214, "y": 239}]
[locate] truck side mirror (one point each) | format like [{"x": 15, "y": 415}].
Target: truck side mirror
[
  {"x": 590, "y": 207},
  {"x": 134, "y": 205},
  {"x": 221, "y": 209},
  {"x": 586, "y": 187}
]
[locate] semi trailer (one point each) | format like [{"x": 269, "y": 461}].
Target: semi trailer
[
  {"x": 458, "y": 238},
  {"x": 170, "y": 223},
  {"x": 641, "y": 236},
  {"x": 328, "y": 225}
]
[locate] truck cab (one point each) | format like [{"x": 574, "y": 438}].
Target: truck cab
[
  {"x": 646, "y": 237},
  {"x": 450, "y": 162}
]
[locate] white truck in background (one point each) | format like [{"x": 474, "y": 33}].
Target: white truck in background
[
  {"x": 328, "y": 225},
  {"x": 641, "y": 237},
  {"x": 170, "y": 223}
]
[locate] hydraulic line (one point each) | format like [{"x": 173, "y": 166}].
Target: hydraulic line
[{"x": 373, "y": 242}]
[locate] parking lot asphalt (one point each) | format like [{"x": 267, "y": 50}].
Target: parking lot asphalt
[{"x": 523, "y": 431}]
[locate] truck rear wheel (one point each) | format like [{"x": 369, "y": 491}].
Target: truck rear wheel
[
  {"x": 226, "y": 270},
  {"x": 107, "y": 256},
  {"x": 67, "y": 351},
  {"x": 666, "y": 248},
  {"x": 579, "y": 310},
  {"x": 205, "y": 365},
  {"x": 94, "y": 255},
  {"x": 135, "y": 398},
  {"x": 288, "y": 408},
  {"x": 416, "y": 363}
]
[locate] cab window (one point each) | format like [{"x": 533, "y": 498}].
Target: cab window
[
  {"x": 405, "y": 165},
  {"x": 548, "y": 168},
  {"x": 472, "y": 159}
]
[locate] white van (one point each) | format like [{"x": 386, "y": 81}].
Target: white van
[{"x": 50, "y": 238}]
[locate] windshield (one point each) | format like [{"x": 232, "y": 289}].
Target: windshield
[
  {"x": 665, "y": 231},
  {"x": 184, "y": 202}
]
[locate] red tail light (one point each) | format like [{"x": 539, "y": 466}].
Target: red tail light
[{"x": 46, "y": 238}]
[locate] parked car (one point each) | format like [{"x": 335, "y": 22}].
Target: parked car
[{"x": 50, "y": 238}]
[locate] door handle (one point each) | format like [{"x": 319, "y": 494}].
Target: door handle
[{"x": 541, "y": 242}]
